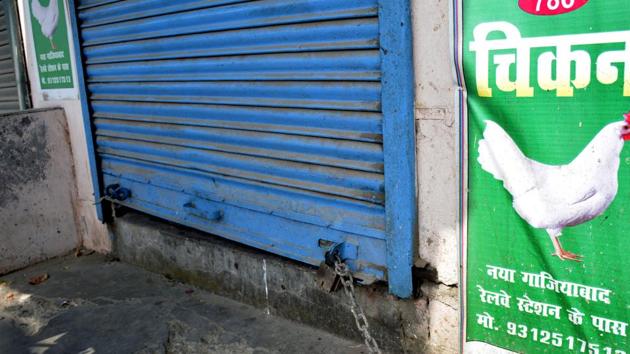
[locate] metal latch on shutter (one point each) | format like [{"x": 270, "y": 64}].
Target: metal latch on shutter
[
  {"x": 335, "y": 258},
  {"x": 343, "y": 250},
  {"x": 212, "y": 215},
  {"x": 116, "y": 192},
  {"x": 327, "y": 279}
]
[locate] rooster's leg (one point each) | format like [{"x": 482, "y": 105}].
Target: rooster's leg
[
  {"x": 52, "y": 44},
  {"x": 559, "y": 251}
]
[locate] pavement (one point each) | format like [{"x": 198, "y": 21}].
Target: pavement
[{"x": 95, "y": 304}]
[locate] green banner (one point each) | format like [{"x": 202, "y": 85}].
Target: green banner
[
  {"x": 546, "y": 238},
  {"x": 52, "y": 50}
]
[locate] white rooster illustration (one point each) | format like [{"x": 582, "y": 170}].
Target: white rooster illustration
[
  {"x": 48, "y": 18},
  {"x": 554, "y": 197}
]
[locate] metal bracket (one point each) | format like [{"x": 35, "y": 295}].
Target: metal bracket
[
  {"x": 343, "y": 251},
  {"x": 116, "y": 192},
  {"x": 333, "y": 254},
  {"x": 336, "y": 252}
]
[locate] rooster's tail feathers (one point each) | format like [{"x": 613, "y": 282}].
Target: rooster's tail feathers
[
  {"x": 487, "y": 162},
  {"x": 499, "y": 156}
]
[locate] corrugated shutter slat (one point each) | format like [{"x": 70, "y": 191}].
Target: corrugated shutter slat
[{"x": 269, "y": 111}]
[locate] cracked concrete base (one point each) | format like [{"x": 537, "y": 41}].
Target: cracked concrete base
[
  {"x": 443, "y": 309},
  {"x": 427, "y": 325},
  {"x": 92, "y": 305},
  {"x": 275, "y": 284}
]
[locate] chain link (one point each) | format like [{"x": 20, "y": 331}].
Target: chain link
[{"x": 341, "y": 269}]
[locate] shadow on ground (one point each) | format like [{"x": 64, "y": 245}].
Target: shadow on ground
[{"x": 93, "y": 305}]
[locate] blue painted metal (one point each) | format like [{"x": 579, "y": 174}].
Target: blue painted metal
[
  {"x": 401, "y": 221},
  {"x": 240, "y": 16},
  {"x": 343, "y": 252},
  {"x": 276, "y": 234},
  {"x": 356, "y": 96},
  {"x": 257, "y": 121},
  {"x": 353, "y": 65},
  {"x": 348, "y": 34},
  {"x": 356, "y": 126},
  {"x": 345, "y": 154},
  {"x": 85, "y": 110},
  {"x": 333, "y": 212},
  {"x": 311, "y": 177},
  {"x": 98, "y": 12}
]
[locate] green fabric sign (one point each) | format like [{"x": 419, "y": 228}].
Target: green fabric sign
[
  {"x": 547, "y": 174},
  {"x": 50, "y": 37}
]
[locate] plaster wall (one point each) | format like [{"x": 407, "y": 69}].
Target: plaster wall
[
  {"x": 437, "y": 139},
  {"x": 438, "y": 172},
  {"x": 37, "y": 195},
  {"x": 94, "y": 234}
]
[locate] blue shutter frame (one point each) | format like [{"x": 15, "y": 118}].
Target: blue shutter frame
[
  {"x": 399, "y": 143},
  {"x": 85, "y": 110},
  {"x": 398, "y": 139}
]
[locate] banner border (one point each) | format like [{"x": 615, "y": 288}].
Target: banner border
[{"x": 461, "y": 106}]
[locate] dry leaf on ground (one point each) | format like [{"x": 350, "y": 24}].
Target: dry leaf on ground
[{"x": 38, "y": 279}]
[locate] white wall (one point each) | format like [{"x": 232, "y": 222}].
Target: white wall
[
  {"x": 93, "y": 232},
  {"x": 437, "y": 143}
]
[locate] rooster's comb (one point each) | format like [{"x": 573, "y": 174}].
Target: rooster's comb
[{"x": 627, "y": 117}]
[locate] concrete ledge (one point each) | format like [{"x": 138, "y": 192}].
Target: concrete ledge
[
  {"x": 286, "y": 288},
  {"x": 37, "y": 193}
]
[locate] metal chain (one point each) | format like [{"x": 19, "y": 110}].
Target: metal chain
[
  {"x": 341, "y": 269},
  {"x": 113, "y": 206}
]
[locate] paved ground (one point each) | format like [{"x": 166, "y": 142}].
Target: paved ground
[{"x": 92, "y": 305}]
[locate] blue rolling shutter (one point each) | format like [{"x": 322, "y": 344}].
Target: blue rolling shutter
[{"x": 259, "y": 121}]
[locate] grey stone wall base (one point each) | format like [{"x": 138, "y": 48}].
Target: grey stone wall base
[{"x": 293, "y": 290}]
